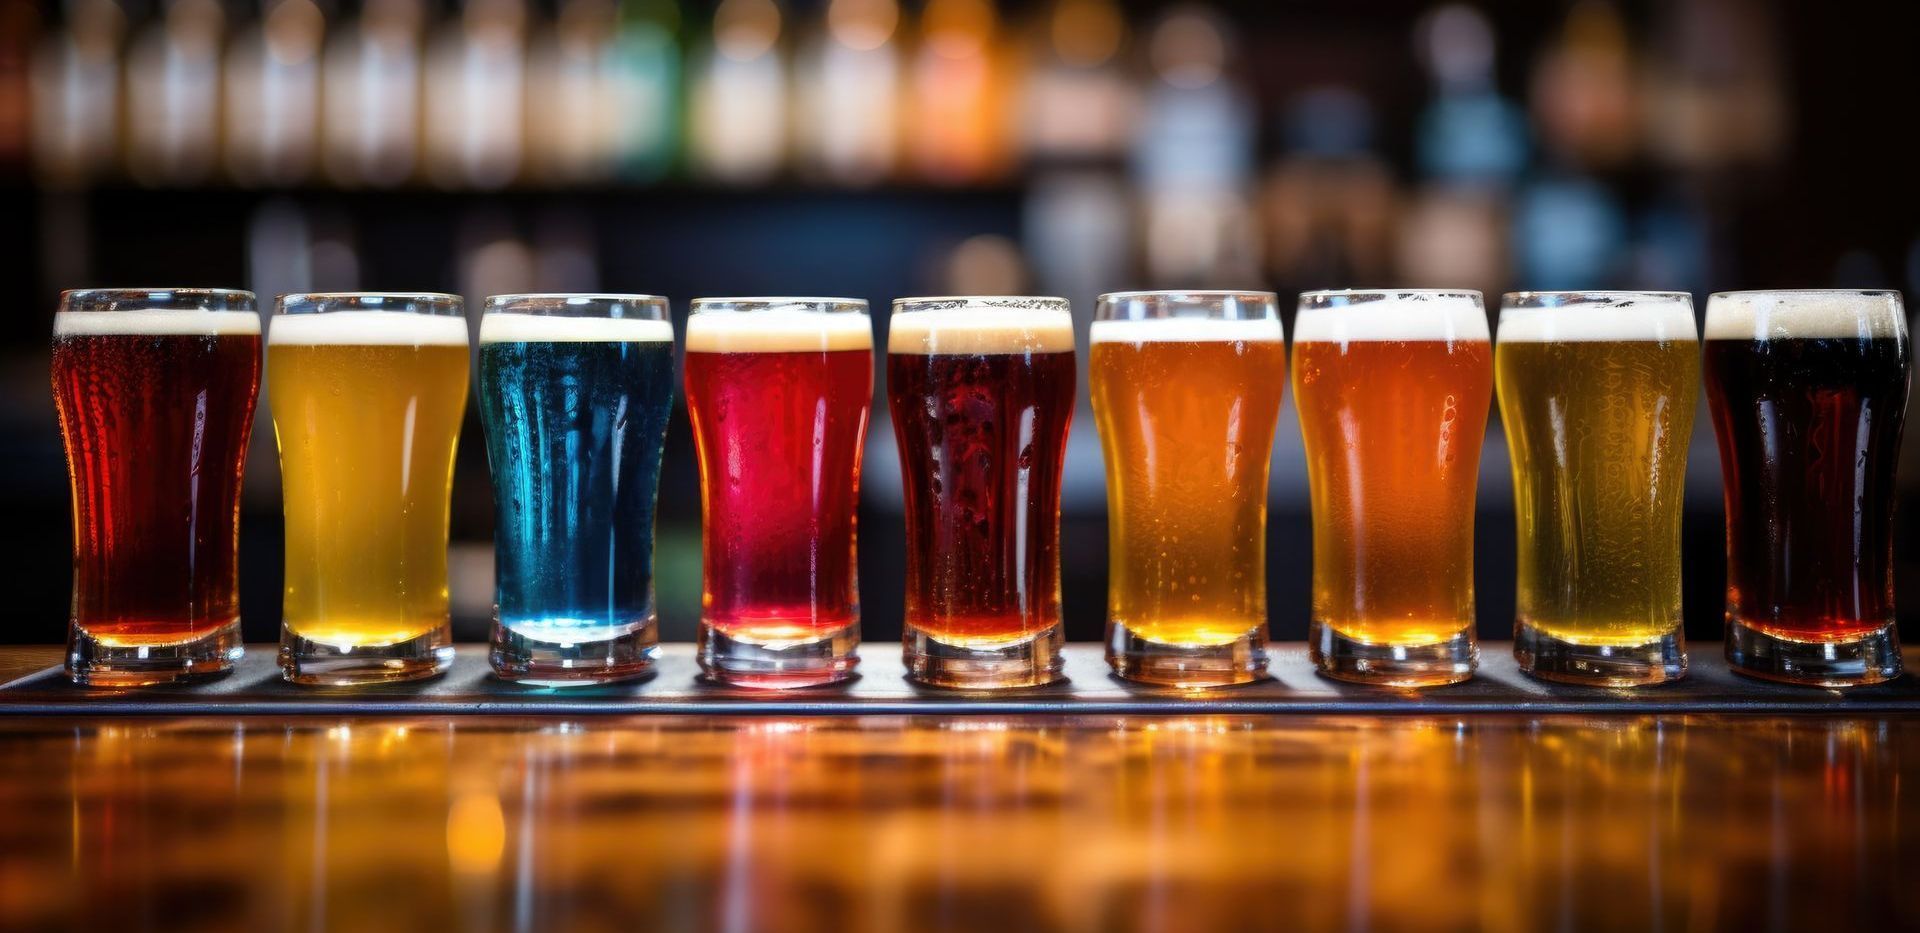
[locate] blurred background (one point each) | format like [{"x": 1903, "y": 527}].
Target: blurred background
[{"x": 878, "y": 148}]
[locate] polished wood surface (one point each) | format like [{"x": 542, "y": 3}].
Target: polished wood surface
[{"x": 902, "y": 823}]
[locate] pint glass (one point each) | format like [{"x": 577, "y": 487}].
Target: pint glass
[
  {"x": 981, "y": 393},
  {"x": 1808, "y": 393},
  {"x": 367, "y": 392},
  {"x": 1393, "y": 389},
  {"x": 1597, "y": 392},
  {"x": 155, "y": 389},
  {"x": 1186, "y": 391},
  {"x": 778, "y": 390},
  {"x": 574, "y": 394}
]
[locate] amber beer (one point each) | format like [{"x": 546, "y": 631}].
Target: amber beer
[
  {"x": 156, "y": 389},
  {"x": 981, "y": 394},
  {"x": 1186, "y": 391},
  {"x": 1394, "y": 389},
  {"x": 1597, "y": 392},
  {"x": 367, "y": 392},
  {"x": 1808, "y": 392}
]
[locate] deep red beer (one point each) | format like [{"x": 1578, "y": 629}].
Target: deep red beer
[
  {"x": 778, "y": 391},
  {"x": 981, "y": 392},
  {"x": 156, "y": 391}
]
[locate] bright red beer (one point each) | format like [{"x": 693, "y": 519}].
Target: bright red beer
[
  {"x": 778, "y": 391},
  {"x": 156, "y": 390},
  {"x": 981, "y": 392}
]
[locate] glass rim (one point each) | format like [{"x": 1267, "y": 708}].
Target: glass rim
[
  {"x": 579, "y": 304},
  {"x": 922, "y": 303},
  {"x": 1174, "y": 293},
  {"x": 750, "y": 304},
  {"x": 435, "y": 303},
  {"x": 1319, "y": 294},
  {"x": 98, "y": 300},
  {"x": 1821, "y": 292},
  {"x": 1176, "y": 305},
  {"x": 1597, "y": 294}
]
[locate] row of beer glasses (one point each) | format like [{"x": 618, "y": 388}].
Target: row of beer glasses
[{"x": 156, "y": 391}]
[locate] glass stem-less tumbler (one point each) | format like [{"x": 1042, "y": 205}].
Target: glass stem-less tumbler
[
  {"x": 1394, "y": 388},
  {"x": 368, "y": 392},
  {"x": 574, "y": 393},
  {"x": 1186, "y": 390},
  {"x": 156, "y": 389},
  {"x": 779, "y": 390}
]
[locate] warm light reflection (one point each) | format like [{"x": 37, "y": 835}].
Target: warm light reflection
[{"x": 1201, "y": 822}]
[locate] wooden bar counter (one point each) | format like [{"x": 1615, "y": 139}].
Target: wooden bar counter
[{"x": 1496, "y": 820}]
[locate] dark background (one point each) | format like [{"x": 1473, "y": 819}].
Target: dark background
[{"x": 1827, "y": 197}]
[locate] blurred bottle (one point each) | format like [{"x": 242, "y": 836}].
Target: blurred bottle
[
  {"x": 76, "y": 93},
  {"x": 476, "y": 96},
  {"x": 173, "y": 94},
  {"x": 849, "y": 84},
  {"x": 645, "y": 72},
  {"x": 19, "y": 24},
  {"x": 273, "y": 94},
  {"x": 1717, "y": 93},
  {"x": 1078, "y": 104},
  {"x": 1327, "y": 204},
  {"x": 1193, "y": 158},
  {"x": 958, "y": 128},
  {"x": 739, "y": 95},
  {"x": 371, "y": 124},
  {"x": 572, "y": 120},
  {"x": 1585, "y": 95}
]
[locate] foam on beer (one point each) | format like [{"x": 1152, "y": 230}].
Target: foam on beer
[
  {"x": 1629, "y": 319},
  {"x": 778, "y": 331},
  {"x": 1806, "y": 315},
  {"x": 1187, "y": 330},
  {"x": 980, "y": 331},
  {"x": 1412, "y": 317},
  {"x": 509, "y": 327},
  {"x": 368, "y": 328},
  {"x": 155, "y": 323}
]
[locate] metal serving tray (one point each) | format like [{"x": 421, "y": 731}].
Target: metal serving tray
[{"x": 676, "y": 687}]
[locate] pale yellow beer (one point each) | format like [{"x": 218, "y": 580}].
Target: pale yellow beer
[
  {"x": 1597, "y": 394},
  {"x": 367, "y": 408}
]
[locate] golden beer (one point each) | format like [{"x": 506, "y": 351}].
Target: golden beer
[
  {"x": 1186, "y": 409},
  {"x": 1394, "y": 389},
  {"x": 1597, "y": 393},
  {"x": 367, "y": 408}
]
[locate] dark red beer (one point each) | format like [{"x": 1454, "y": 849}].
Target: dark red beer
[
  {"x": 779, "y": 433},
  {"x": 981, "y": 409},
  {"x": 156, "y": 397}
]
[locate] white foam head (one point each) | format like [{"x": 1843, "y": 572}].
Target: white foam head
[
  {"x": 509, "y": 327},
  {"x": 1188, "y": 330},
  {"x": 155, "y": 323},
  {"x": 1545, "y": 317},
  {"x": 980, "y": 325},
  {"x": 367, "y": 328},
  {"x": 755, "y": 325},
  {"x": 1815, "y": 314},
  {"x": 1352, "y": 317}
]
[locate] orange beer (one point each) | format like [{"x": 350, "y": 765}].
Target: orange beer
[
  {"x": 1394, "y": 390},
  {"x": 1186, "y": 391}
]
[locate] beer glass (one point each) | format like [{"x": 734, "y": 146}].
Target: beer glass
[
  {"x": 778, "y": 390},
  {"x": 1808, "y": 393},
  {"x": 574, "y": 394},
  {"x": 1393, "y": 389},
  {"x": 367, "y": 392},
  {"x": 981, "y": 394},
  {"x": 1186, "y": 391},
  {"x": 1597, "y": 391},
  {"x": 155, "y": 389}
]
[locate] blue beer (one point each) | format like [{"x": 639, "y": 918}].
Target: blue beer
[{"x": 574, "y": 393}]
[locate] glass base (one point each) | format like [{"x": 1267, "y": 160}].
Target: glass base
[
  {"x": 310, "y": 662},
  {"x": 1438, "y": 664},
  {"x": 1551, "y": 658},
  {"x": 1867, "y": 659},
  {"x": 525, "y": 658},
  {"x": 95, "y": 663},
  {"x": 1030, "y": 662},
  {"x": 1133, "y": 657},
  {"x": 778, "y": 663}
]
